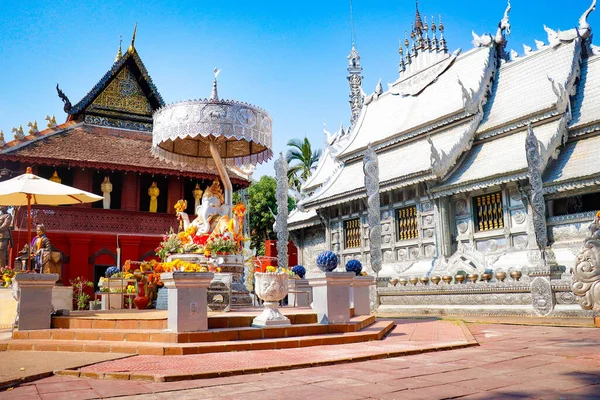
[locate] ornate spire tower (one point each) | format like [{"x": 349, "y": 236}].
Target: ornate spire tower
[{"x": 355, "y": 81}]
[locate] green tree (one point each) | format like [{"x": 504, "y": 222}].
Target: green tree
[
  {"x": 305, "y": 161},
  {"x": 262, "y": 205}
]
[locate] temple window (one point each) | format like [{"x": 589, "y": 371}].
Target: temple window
[
  {"x": 352, "y": 233},
  {"x": 576, "y": 204},
  {"x": 407, "y": 223},
  {"x": 488, "y": 212}
]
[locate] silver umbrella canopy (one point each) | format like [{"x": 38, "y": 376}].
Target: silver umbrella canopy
[
  {"x": 229, "y": 132},
  {"x": 29, "y": 188}
]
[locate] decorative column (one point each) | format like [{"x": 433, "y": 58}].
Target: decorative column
[
  {"x": 281, "y": 194},
  {"x": 361, "y": 299},
  {"x": 371, "y": 170},
  {"x": 34, "y": 294},
  {"x": 541, "y": 289},
  {"x": 187, "y": 300},
  {"x": 331, "y": 296}
]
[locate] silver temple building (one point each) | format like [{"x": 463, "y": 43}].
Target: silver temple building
[{"x": 488, "y": 167}]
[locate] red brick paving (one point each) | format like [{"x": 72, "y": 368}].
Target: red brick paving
[{"x": 512, "y": 362}]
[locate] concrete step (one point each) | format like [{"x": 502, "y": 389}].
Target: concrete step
[
  {"x": 153, "y": 319},
  {"x": 375, "y": 331},
  {"x": 212, "y": 335}
]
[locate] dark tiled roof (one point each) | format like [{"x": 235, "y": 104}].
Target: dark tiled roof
[
  {"x": 80, "y": 144},
  {"x": 154, "y": 96}
]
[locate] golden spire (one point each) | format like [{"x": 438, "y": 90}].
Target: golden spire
[
  {"x": 119, "y": 53},
  {"x": 131, "y": 46}
]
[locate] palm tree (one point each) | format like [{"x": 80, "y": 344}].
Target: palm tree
[{"x": 301, "y": 151}]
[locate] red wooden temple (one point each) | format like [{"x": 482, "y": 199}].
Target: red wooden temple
[{"x": 107, "y": 134}]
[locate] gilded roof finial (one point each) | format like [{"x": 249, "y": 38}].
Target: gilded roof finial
[
  {"x": 433, "y": 28},
  {"x": 131, "y": 46},
  {"x": 51, "y": 121},
  {"x": 119, "y": 53},
  {"x": 33, "y": 128},
  {"x": 215, "y": 94},
  {"x": 441, "y": 25}
]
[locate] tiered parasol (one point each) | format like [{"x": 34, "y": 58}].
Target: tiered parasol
[
  {"x": 29, "y": 188},
  {"x": 192, "y": 132}
]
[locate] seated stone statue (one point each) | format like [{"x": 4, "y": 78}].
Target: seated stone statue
[
  {"x": 209, "y": 211},
  {"x": 41, "y": 256}
]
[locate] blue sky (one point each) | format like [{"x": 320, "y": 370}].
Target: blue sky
[{"x": 286, "y": 57}]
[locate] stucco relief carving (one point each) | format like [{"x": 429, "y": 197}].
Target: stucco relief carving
[
  {"x": 426, "y": 206},
  {"x": 402, "y": 254},
  {"x": 541, "y": 296},
  {"x": 492, "y": 245},
  {"x": 586, "y": 274},
  {"x": 430, "y": 250},
  {"x": 519, "y": 217},
  {"x": 458, "y": 299},
  {"x": 462, "y": 226},
  {"x": 520, "y": 242},
  {"x": 461, "y": 207}
]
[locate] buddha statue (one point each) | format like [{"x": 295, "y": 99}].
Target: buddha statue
[
  {"x": 106, "y": 187},
  {"x": 153, "y": 192}
]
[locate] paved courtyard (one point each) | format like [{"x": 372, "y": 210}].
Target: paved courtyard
[{"x": 511, "y": 362}]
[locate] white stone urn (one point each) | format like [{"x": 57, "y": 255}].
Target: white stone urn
[{"x": 271, "y": 287}]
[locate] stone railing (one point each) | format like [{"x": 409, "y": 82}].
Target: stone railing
[{"x": 74, "y": 219}]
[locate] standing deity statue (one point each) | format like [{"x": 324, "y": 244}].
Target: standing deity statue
[
  {"x": 197, "y": 192},
  {"x": 55, "y": 178},
  {"x": 106, "y": 187},
  {"x": 5, "y": 221},
  {"x": 153, "y": 192},
  {"x": 40, "y": 246}
]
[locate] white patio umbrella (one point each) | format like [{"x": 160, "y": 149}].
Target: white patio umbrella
[{"x": 31, "y": 189}]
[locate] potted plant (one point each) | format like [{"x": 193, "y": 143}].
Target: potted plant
[
  {"x": 95, "y": 305},
  {"x": 80, "y": 296}
]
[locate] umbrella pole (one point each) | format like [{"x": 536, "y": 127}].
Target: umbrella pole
[
  {"x": 223, "y": 174},
  {"x": 28, "y": 232}
]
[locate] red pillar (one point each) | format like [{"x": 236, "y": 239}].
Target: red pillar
[
  {"x": 174, "y": 189},
  {"x": 129, "y": 192},
  {"x": 79, "y": 254},
  {"x": 130, "y": 248},
  {"x": 82, "y": 179}
]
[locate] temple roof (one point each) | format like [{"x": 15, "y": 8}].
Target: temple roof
[
  {"x": 523, "y": 89},
  {"x": 577, "y": 166},
  {"x": 85, "y": 145},
  {"x": 325, "y": 168},
  {"x": 298, "y": 219},
  {"x": 496, "y": 161},
  {"x": 399, "y": 166},
  {"x": 586, "y": 102},
  {"x": 394, "y": 117}
]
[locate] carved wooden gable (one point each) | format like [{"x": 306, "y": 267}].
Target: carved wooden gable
[{"x": 123, "y": 94}]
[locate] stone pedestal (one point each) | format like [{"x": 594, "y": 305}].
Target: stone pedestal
[
  {"x": 331, "y": 296},
  {"x": 35, "y": 300},
  {"x": 62, "y": 298},
  {"x": 187, "y": 309},
  {"x": 299, "y": 293},
  {"x": 360, "y": 294},
  {"x": 233, "y": 264}
]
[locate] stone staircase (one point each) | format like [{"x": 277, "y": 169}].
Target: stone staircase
[{"x": 227, "y": 332}]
